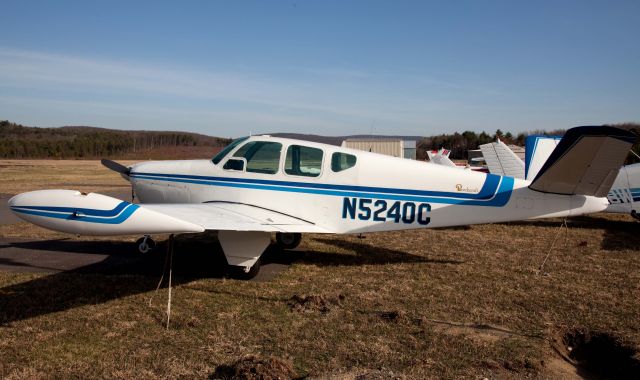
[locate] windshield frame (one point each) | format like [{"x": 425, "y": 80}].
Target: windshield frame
[{"x": 224, "y": 152}]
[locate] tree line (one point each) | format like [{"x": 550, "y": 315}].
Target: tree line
[
  {"x": 460, "y": 143},
  {"x": 18, "y": 141}
]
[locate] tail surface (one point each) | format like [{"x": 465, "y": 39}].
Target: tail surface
[
  {"x": 440, "y": 157},
  {"x": 538, "y": 148},
  {"x": 501, "y": 160},
  {"x": 586, "y": 161}
]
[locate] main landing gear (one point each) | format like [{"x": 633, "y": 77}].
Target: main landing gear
[
  {"x": 145, "y": 244},
  {"x": 242, "y": 249},
  {"x": 288, "y": 240}
]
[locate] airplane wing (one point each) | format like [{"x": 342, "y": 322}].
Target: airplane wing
[
  {"x": 235, "y": 216},
  {"x": 586, "y": 161},
  {"x": 97, "y": 214},
  {"x": 501, "y": 160}
]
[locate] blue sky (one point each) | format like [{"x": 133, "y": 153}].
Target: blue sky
[{"x": 231, "y": 68}]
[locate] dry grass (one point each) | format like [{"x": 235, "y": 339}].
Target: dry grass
[
  {"x": 17, "y": 176},
  {"x": 466, "y": 302}
]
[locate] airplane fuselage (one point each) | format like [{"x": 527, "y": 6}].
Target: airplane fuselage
[{"x": 376, "y": 193}]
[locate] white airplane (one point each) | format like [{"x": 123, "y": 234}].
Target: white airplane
[
  {"x": 260, "y": 185},
  {"x": 624, "y": 195},
  {"x": 441, "y": 157}
]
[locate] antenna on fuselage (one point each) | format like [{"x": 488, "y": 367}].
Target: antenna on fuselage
[{"x": 373, "y": 123}]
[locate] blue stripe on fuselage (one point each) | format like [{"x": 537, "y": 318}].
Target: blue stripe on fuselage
[
  {"x": 487, "y": 191},
  {"x": 495, "y": 192}
]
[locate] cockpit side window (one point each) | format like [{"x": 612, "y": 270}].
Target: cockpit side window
[
  {"x": 342, "y": 161},
  {"x": 218, "y": 157},
  {"x": 303, "y": 161},
  {"x": 262, "y": 156}
]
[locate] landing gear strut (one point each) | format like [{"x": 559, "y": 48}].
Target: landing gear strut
[
  {"x": 145, "y": 244},
  {"x": 287, "y": 240}
]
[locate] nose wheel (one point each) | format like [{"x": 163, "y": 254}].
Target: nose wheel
[
  {"x": 286, "y": 240},
  {"x": 145, "y": 244}
]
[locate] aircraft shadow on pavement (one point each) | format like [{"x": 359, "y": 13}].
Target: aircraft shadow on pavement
[
  {"x": 618, "y": 235},
  {"x": 125, "y": 272},
  {"x": 66, "y": 245}
]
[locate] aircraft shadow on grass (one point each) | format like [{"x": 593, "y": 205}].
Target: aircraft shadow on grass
[
  {"x": 619, "y": 235},
  {"x": 125, "y": 272}
]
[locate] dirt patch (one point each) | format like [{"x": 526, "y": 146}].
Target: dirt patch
[
  {"x": 558, "y": 368},
  {"x": 474, "y": 331},
  {"x": 255, "y": 367},
  {"x": 602, "y": 354},
  {"x": 360, "y": 374},
  {"x": 315, "y": 302}
]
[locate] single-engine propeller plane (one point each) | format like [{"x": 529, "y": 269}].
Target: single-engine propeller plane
[{"x": 261, "y": 185}]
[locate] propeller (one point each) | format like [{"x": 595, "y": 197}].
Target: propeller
[
  {"x": 116, "y": 167},
  {"x": 119, "y": 168}
]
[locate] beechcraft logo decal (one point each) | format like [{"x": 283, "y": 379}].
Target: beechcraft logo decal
[{"x": 466, "y": 189}]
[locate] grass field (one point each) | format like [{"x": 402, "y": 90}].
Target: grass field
[
  {"x": 449, "y": 303},
  {"x": 17, "y": 176}
]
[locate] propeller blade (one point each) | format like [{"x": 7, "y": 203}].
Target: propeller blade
[{"x": 116, "y": 167}]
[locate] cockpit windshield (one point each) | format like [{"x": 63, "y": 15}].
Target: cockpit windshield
[{"x": 218, "y": 157}]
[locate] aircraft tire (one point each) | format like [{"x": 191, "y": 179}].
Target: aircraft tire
[
  {"x": 286, "y": 240},
  {"x": 145, "y": 244}
]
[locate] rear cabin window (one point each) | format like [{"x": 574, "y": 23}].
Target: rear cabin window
[
  {"x": 342, "y": 161},
  {"x": 262, "y": 156},
  {"x": 303, "y": 161}
]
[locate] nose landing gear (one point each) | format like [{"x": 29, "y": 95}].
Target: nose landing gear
[{"x": 145, "y": 244}]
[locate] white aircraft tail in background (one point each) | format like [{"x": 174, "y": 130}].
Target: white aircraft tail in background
[
  {"x": 440, "y": 157},
  {"x": 502, "y": 160},
  {"x": 538, "y": 148}
]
